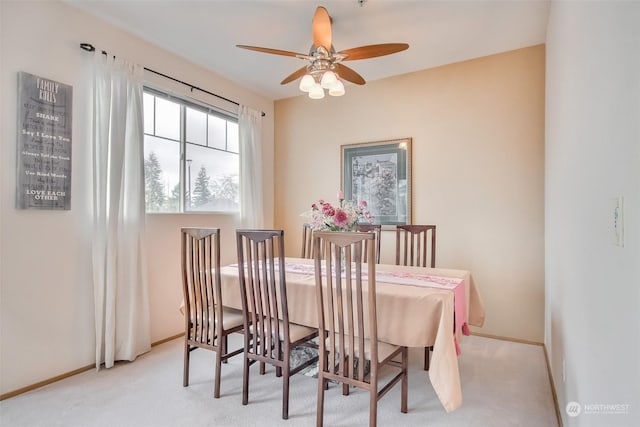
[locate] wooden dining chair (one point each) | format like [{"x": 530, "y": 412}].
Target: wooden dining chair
[
  {"x": 261, "y": 269},
  {"x": 207, "y": 322},
  {"x": 377, "y": 230},
  {"x": 307, "y": 241},
  {"x": 413, "y": 244},
  {"x": 347, "y": 314}
]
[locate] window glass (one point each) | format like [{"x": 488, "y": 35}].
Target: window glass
[
  {"x": 196, "y": 126},
  {"x": 233, "y": 137},
  {"x": 167, "y": 119},
  {"x": 212, "y": 179},
  {"x": 217, "y": 132},
  {"x": 148, "y": 108},
  {"x": 161, "y": 174}
]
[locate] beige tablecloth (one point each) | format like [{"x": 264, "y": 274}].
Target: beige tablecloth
[{"x": 412, "y": 316}]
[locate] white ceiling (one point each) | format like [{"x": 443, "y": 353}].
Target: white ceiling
[{"x": 439, "y": 32}]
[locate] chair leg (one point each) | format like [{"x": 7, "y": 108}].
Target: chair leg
[
  {"x": 216, "y": 387},
  {"x": 326, "y": 363},
  {"x": 405, "y": 381},
  {"x": 322, "y": 386},
  {"x": 285, "y": 392},
  {"x": 347, "y": 365},
  {"x": 373, "y": 407},
  {"x": 426, "y": 357},
  {"x": 279, "y": 368},
  {"x": 225, "y": 346},
  {"x": 185, "y": 373},
  {"x": 245, "y": 381}
]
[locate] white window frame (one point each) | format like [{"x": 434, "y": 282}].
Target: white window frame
[{"x": 209, "y": 110}]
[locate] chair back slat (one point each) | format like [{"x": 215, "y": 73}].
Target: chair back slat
[
  {"x": 307, "y": 241},
  {"x": 415, "y": 244},
  {"x": 377, "y": 230},
  {"x": 308, "y": 248}
]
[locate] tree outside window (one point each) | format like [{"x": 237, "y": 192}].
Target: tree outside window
[{"x": 154, "y": 194}]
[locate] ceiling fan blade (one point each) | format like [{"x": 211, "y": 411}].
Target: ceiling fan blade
[
  {"x": 273, "y": 51},
  {"x": 295, "y": 75},
  {"x": 321, "y": 28},
  {"x": 348, "y": 74},
  {"x": 371, "y": 51}
]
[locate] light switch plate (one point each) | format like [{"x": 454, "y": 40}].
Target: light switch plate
[{"x": 617, "y": 212}]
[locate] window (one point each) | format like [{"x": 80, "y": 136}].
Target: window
[{"x": 191, "y": 160}]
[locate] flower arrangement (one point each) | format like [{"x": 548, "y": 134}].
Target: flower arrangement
[{"x": 343, "y": 217}]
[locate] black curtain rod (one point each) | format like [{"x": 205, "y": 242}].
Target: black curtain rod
[{"x": 89, "y": 48}]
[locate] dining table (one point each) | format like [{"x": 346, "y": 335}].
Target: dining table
[{"x": 416, "y": 307}]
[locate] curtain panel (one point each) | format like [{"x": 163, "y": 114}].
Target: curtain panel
[
  {"x": 250, "y": 128},
  {"x": 122, "y": 323}
]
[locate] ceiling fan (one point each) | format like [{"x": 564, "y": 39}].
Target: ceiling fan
[{"x": 325, "y": 68}]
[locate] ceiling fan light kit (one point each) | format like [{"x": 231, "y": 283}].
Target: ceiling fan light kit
[
  {"x": 325, "y": 69},
  {"x": 316, "y": 81},
  {"x": 306, "y": 83},
  {"x": 316, "y": 92},
  {"x": 329, "y": 79},
  {"x": 337, "y": 89}
]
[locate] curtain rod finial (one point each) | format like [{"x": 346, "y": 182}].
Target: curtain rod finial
[{"x": 88, "y": 47}]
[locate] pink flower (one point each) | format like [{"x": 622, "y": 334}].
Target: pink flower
[
  {"x": 328, "y": 210},
  {"x": 363, "y": 203},
  {"x": 341, "y": 219}
]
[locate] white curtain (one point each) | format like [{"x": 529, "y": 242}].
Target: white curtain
[
  {"x": 250, "y": 126},
  {"x": 119, "y": 269}
]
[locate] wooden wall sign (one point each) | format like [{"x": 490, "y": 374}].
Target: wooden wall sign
[{"x": 44, "y": 143}]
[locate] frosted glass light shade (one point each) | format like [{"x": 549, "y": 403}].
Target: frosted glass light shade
[
  {"x": 306, "y": 83},
  {"x": 328, "y": 79},
  {"x": 316, "y": 92},
  {"x": 337, "y": 89}
]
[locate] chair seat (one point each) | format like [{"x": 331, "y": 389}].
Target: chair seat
[
  {"x": 384, "y": 349},
  {"x": 231, "y": 318},
  {"x": 296, "y": 332}
]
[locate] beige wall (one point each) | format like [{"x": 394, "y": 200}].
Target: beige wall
[
  {"x": 46, "y": 290},
  {"x": 478, "y": 165}
]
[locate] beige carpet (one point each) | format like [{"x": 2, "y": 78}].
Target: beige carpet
[{"x": 503, "y": 384}]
